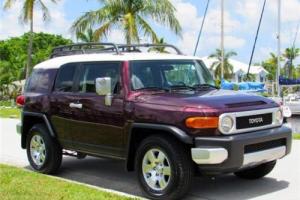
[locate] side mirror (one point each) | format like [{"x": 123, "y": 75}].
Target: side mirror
[{"x": 103, "y": 87}]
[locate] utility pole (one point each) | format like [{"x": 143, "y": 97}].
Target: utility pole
[
  {"x": 222, "y": 39},
  {"x": 278, "y": 48}
]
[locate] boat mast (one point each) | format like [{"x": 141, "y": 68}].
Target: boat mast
[
  {"x": 222, "y": 39},
  {"x": 278, "y": 48}
]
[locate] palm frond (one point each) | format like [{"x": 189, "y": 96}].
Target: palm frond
[
  {"x": 162, "y": 11},
  {"x": 89, "y": 19},
  {"x": 148, "y": 31},
  {"x": 102, "y": 31},
  {"x": 46, "y": 15},
  {"x": 27, "y": 11},
  {"x": 8, "y": 4}
]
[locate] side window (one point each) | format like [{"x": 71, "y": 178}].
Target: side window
[
  {"x": 39, "y": 81},
  {"x": 99, "y": 70},
  {"x": 64, "y": 81}
]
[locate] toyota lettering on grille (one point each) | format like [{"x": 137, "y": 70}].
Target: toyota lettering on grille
[{"x": 257, "y": 120}]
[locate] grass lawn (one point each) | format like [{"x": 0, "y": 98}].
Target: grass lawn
[
  {"x": 296, "y": 136},
  {"x": 16, "y": 183},
  {"x": 6, "y": 112}
]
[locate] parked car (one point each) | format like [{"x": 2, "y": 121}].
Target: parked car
[
  {"x": 293, "y": 102},
  {"x": 160, "y": 113},
  {"x": 287, "y": 113}
]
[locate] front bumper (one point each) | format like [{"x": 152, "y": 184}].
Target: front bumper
[{"x": 225, "y": 154}]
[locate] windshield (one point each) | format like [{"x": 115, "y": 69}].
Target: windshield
[{"x": 169, "y": 74}]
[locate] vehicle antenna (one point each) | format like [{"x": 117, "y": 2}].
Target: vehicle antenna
[
  {"x": 201, "y": 28},
  {"x": 256, "y": 36}
]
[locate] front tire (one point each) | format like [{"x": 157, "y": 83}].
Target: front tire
[
  {"x": 44, "y": 153},
  {"x": 256, "y": 172},
  {"x": 164, "y": 168}
]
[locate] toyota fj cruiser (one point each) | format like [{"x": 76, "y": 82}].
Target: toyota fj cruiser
[{"x": 159, "y": 112}]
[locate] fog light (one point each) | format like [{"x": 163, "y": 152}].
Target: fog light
[{"x": 226, "y": 124}]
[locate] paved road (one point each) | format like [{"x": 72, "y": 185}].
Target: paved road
[
  {"x": 282, "y": 183},
  {"x": 295, "y": 123}
]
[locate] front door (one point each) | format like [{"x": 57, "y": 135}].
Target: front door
[{"x": 97, "y": 128}]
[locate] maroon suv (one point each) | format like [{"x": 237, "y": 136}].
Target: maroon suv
[{"x": 160, "y": 113}]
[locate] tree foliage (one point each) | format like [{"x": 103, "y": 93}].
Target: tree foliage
[
  {"x": 13, "y": 55},
  {"x": 290, "y": 54},
  {"x": 130, "y": 17},
  {"x": 87, "y": 36},
  {"x": 216, "y": 66},
  {"x": 27, "y": 15},
  {"x": 270, "y": 64}
]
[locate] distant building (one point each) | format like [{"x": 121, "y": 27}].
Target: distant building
[{"x": 240, "y": 70}]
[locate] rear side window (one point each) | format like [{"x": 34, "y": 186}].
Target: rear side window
[
  {"x": 40, "y": 81},
  {"x": 65, "y": 78},
  {"x": 99, "y": 70}
]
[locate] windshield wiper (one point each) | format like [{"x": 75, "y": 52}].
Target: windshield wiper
[
  {"x": 204, "y": 86},
  {"x": 181, "y": 87},
  {"x": 152, "y": 88}
]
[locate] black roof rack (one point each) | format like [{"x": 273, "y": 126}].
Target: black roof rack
[{"x": 85, "y": 48}]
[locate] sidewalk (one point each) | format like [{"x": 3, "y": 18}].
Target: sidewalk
[{"x": 282, "y": 183}]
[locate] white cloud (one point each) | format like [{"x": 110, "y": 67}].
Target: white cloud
[
  {"x": 233, "y": 42},
  {"x": 116, "y": 36},
  {"x": 190, "y": 21},
  {"x": 187, "y": 43},
  {"x": 213, "y": 22},
  {"x": 249, "y": 10},
  {"x": 186, "y": 14},
  {"x": 264, "y": 53},
  {"x": 290, "y": 9},
  {"x": 10, "y": 25}
]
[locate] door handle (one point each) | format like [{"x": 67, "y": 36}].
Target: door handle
[{"x": 75, "y": 105}]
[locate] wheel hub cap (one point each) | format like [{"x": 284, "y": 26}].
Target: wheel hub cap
[
  {"x": 156, "y": 169},
  {"x": 38, "y": 150}
]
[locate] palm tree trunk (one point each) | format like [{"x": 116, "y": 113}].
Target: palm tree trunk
[{"x": 29, "y": 52}]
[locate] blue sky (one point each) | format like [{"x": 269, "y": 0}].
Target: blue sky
[{"x": 241, "y": 19}]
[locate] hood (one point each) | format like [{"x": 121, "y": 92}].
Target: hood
[{"x": 210, "y": 99}]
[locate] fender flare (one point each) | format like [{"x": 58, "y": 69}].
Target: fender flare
[
  {"x": 173, "y": 130},
  {"x": 41, "y": 116},
  {"x": 178, "y": 133}
]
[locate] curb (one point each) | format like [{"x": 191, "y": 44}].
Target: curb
[{"x": 124, "y": 194}]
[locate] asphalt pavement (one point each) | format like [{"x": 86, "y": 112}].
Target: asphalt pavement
[{"x": 282, "y": 183}]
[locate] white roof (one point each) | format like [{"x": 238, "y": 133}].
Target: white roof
[
  {"x": 237, "y": 66},
  {"x": 59, "y": 61}
]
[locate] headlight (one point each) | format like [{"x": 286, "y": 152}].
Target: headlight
[
  {"x": 226, "y": 124},
  {"x": 278, "y": 117}
]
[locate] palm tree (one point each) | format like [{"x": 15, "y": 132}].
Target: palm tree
[
  {"x": 87, "y": 36},
  {"x": 216, "y": 66},
  {"x": 26, "y": 16},
  {"x": 129, "y": 16},
  {"x": 290, "y": 54},
  {"x": 159, "y": 49},
  {"x": 271, "y": 65}
]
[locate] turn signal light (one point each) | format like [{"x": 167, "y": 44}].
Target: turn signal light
[{"x": 202, "y": 122}]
